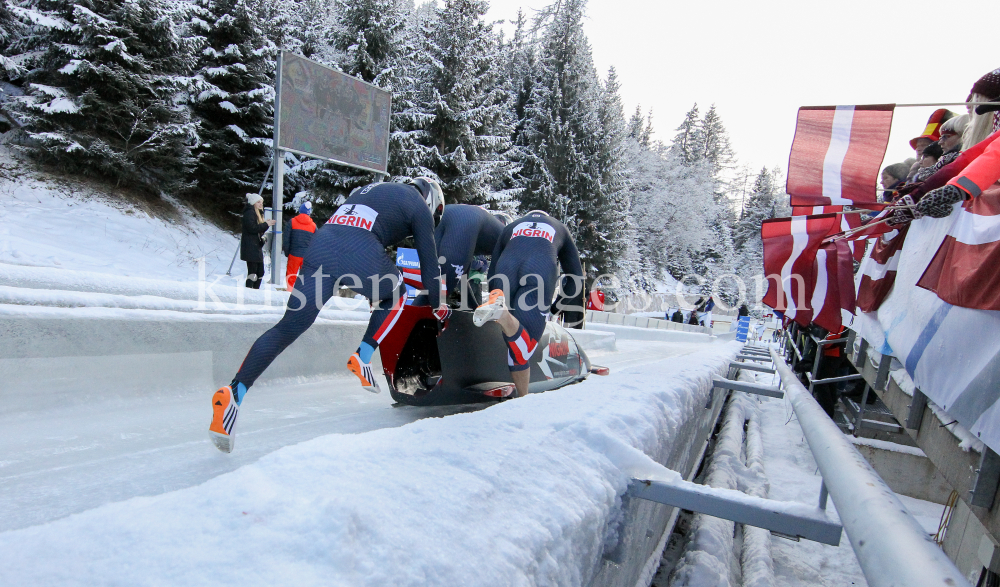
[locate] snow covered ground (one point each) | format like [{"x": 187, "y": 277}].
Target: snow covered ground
[
  {"x": 50, "y": 222},
  {"x": 522, "y": 493}
]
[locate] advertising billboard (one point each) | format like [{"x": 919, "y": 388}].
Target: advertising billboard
[{"x": 329, "y": 115}]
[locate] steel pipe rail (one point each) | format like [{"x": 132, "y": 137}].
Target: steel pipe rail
[
  {"x": 751, "y": 367},
  {"x": 891, "y": 547}
]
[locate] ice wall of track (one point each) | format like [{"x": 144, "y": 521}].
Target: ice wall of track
[{"x": 111, "y": 350}]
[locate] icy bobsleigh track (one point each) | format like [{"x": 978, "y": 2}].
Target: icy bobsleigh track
[{"x": 106, "y": 475}]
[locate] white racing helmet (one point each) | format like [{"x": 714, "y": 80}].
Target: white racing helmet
[{"x": 430, "y": 189}]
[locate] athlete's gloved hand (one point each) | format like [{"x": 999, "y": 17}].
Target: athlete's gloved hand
[
  {"x": 940, "y": 202},
  {"x": 442, "y": 313}
]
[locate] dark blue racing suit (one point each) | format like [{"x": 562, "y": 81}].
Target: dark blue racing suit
[
  {"x": 464, "y": 232},
  {"x": 524, "y": 265},
  {"x": 349, "y": 250}
]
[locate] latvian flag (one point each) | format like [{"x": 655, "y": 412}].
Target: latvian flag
[
  {"x": 964, "y": 270},
  {"x": 837, "y": 153},
  {"x": 878, "y": 271},
  {"x": 850, "y": 221},
  {"x": 813, "y": 210},
  {"x": 790, "y": 246},
  {"x": 833, "y": 292}
]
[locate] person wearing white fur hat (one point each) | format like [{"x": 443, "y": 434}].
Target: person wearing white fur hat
[{"x": 252, "y": 241}]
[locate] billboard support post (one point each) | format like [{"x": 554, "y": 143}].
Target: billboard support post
[
  {"x": 276, "y": 203},
  {"x": 279, "y": 177}
]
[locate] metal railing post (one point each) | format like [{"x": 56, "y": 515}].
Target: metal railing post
[
  {"x": 860, "y": 419},
  {"x": 815, "y": 369},
  {"x": 891, "y": 547}
]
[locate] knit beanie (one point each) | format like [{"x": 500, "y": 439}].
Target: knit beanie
[
  {"x": 988, "y": 85},
  {"x": 306, "y": 207},
  {"x": 253, "y": 199}
]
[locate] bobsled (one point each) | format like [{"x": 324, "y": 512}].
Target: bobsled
[{"x": 467, "y": 364}]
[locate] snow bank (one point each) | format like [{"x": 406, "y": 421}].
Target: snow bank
[
  {"x": 215, "y": 292},
  {"x": 527, "y": 492},
  {"x": 50, "y": 222},
  {"x": 886, "y": 445},
  {"x": 336, "y": 308}
]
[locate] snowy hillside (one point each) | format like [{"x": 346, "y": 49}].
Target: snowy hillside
[{"x": 67, "y": 224}]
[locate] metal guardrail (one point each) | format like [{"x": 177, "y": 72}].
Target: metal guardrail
[
  {"x": 891, "y": 547},
  {"x": 790, "y": 519}
]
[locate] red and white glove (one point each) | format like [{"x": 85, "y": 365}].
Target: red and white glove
[{"x": 442, "y": 313}]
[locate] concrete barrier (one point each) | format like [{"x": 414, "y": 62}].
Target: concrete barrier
[{"x": 905, "y": 469}]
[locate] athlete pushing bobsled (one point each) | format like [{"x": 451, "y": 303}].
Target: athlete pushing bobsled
[
  {"x": 348, "y": 250},
  {"x": 464, "y": 232},
  {"x": 529, "y": 249}
]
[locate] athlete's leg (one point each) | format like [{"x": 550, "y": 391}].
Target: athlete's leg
[
  {"x": 388, "y": 295},
  {"x": 312, "y": 290},
  {"x": 530, "y": 326},
  {"x": 518, "y": 315}
]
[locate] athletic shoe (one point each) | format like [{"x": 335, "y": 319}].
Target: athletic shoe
[
  {"x": 491, "y": 310},
  {"x": 224, "y": 412},
  {"x": 364, "y": 372}
]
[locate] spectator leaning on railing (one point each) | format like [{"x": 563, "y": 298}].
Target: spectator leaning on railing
[
  {"x": 928, "y": 159},
  {"x": 972, "y": 177},
  {"x": 894, "y": 176}
]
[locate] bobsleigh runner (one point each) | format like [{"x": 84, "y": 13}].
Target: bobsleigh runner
[{"x": 467, "y": 364}]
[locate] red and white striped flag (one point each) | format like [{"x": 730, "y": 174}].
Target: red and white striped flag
[
  {"x": 837, "y": 153},
  {"x": 964, "y": 270},
  {"x": 878, "y": 271},
  {"x": 848, "y": 220},
  {"x": 833, "y": 293},
  {"x": 790, "y": 246},
  {"x": 813, "y": 210},
  {"x": 851, "y": 221}
]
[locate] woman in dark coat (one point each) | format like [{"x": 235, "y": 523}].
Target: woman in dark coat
[{"x": 252, "y": 242}]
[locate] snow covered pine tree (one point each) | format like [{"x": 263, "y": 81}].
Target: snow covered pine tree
[
  {"x": 101, "y": 99},
  {"x": 233, "y": 99}
]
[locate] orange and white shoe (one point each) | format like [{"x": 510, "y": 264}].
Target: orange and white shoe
[
  {"x": 491, "y": 310},
  {"x": 364, "y": 372},
  {"x": 224, "y": 412}
]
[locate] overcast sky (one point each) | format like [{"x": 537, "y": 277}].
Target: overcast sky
[{"x": 759, "y": 61}]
